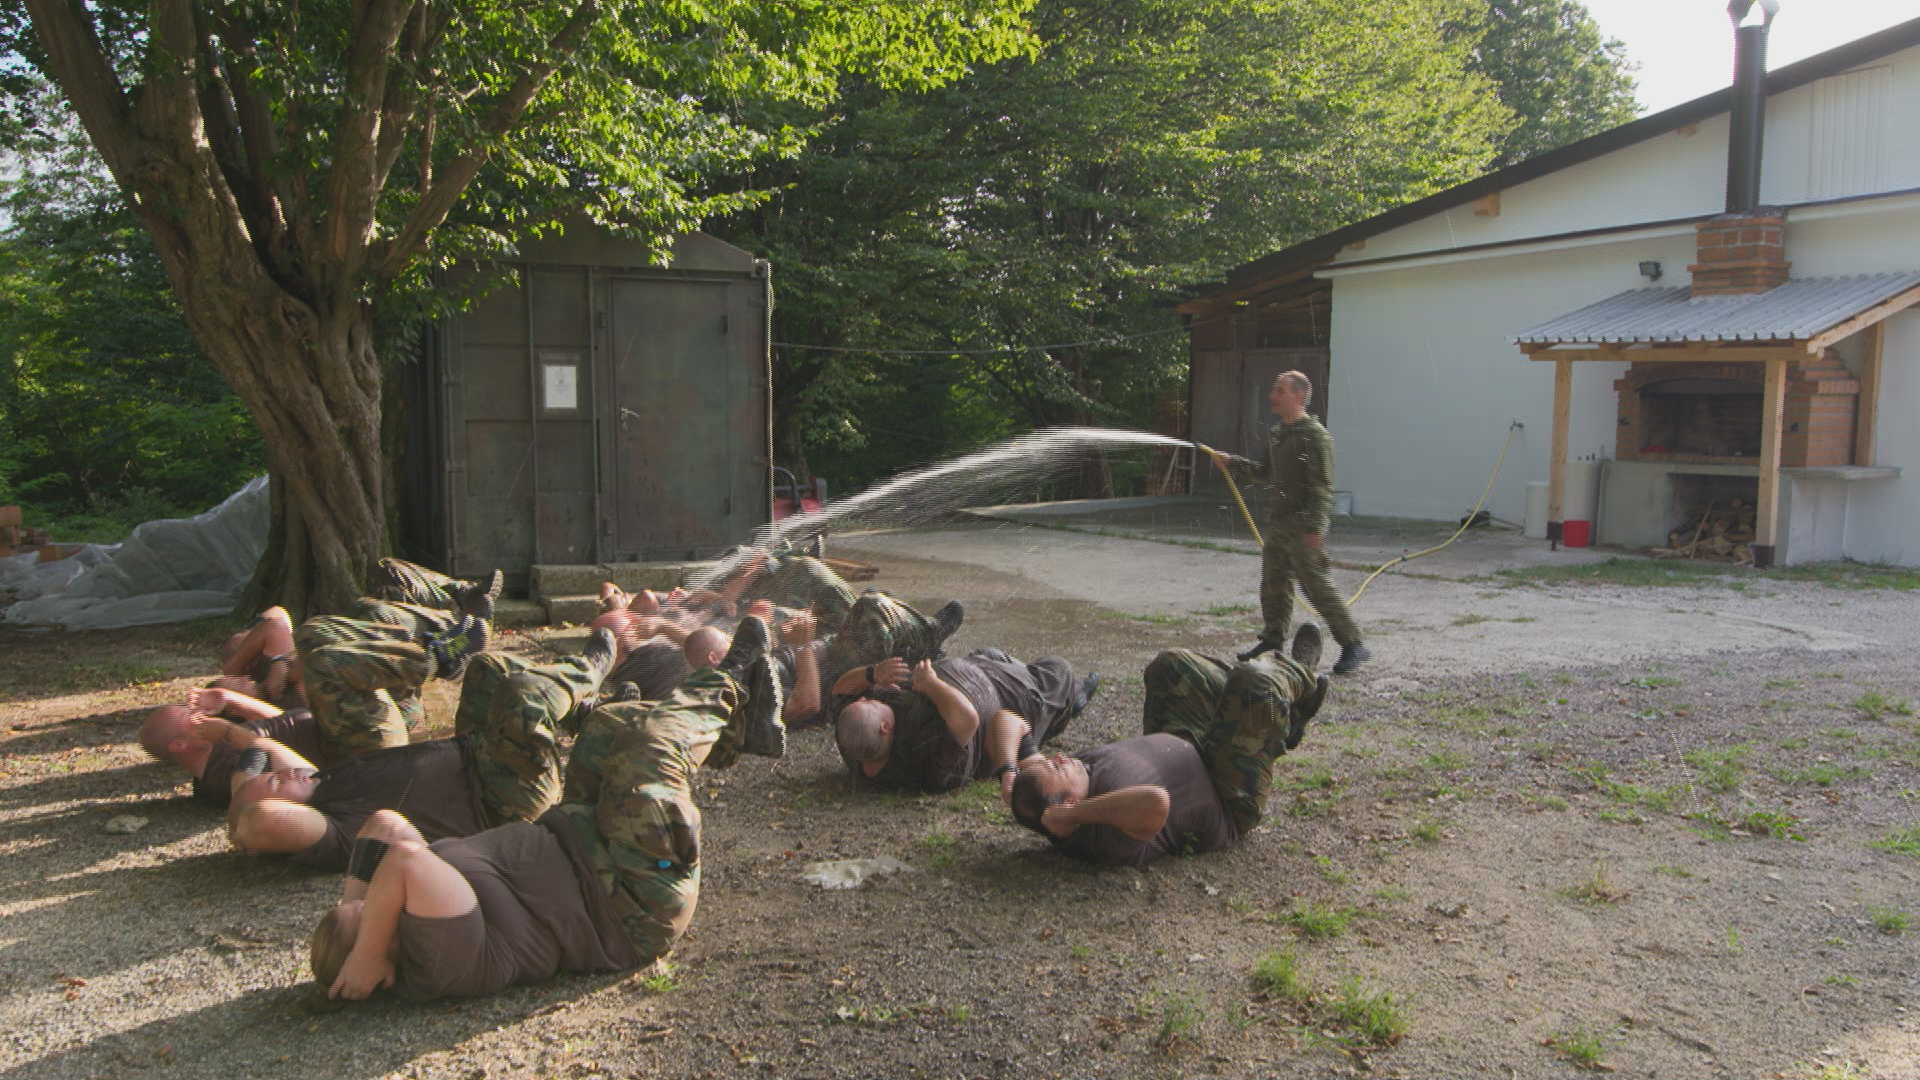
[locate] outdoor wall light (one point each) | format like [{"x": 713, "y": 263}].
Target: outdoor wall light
[{"x": 1650, "y": 269}]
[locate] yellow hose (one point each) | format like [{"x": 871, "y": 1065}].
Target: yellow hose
[{"x": 1382, "y": 568}]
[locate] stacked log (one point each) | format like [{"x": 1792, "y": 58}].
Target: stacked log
[
  {"x": 1715, "y": 533},
  {"x": 17, "y": 539}
]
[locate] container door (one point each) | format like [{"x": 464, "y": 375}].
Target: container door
[{"x": 673, "y": 446}]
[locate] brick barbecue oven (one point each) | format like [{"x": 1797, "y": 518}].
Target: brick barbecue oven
[{"x": 1711, "y": 413}]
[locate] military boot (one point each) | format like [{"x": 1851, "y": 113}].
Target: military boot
[{"x": 1304, "y": 709}]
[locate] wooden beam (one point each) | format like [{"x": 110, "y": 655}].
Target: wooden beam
[
  {"x": 1556, "y": 475},
  {"x": 1226, "y": 296},
  {"x": 1867, "y": 411},
  {"x": 1487, "y": 205},
  {"x": 1695, "y": 354},
  {"x": 1767, "y": 513},
  {"x": 1871, "y": 317}
]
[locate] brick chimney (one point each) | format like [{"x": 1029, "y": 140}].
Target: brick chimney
[{"x": 1739, "y": 254}]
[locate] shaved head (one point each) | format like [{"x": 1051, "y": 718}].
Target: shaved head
[
  {"x": 706, "y": 647},
  {"x": 864, "y": 731}
]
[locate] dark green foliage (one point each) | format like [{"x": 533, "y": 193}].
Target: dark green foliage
[
  {"x": 1563, "y": 80},
  {"x": 108, "y": 410}
]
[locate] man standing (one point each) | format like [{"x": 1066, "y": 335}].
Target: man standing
[{"x": 1299, "y": 472}]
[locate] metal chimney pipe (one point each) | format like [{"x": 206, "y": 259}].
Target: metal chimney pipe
[{"x": 1751, "y": 22}]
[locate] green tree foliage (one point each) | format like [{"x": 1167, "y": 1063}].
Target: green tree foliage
[
  {"x": 1554, "y": 69},
  {"x": 305, "y": 166},
  {"x": 1076, "y": 195},
  {"x": 105, "y": 400}
]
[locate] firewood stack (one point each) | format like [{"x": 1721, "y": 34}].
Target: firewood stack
[
  {"x": 17, "y": 539},
  {"x": 1716, "y": 533}
]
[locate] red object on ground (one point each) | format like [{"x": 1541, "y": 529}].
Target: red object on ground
[
  {"x": 1576, "y": 533},
  {"x": 783, "y": 508}
]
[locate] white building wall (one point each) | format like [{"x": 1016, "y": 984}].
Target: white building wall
[{"x": 1883, "y": 516}]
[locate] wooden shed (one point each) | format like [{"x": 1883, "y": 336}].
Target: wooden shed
[{"x": 593, "y": 409}]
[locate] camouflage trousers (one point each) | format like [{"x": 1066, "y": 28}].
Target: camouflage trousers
[
  {"x": 397, "y": 579},
  {"x": 876, "y": 627},
  {"x": 1236, "y": 715},
  {"x": 802, "y": 581},
  {"x": 373, "y": 620},
  {"x": 1284, "y": 560},
  {"x": 629, "y": 793}
]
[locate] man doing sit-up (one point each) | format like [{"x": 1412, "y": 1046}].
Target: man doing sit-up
[{"x": 607, "y": 880}]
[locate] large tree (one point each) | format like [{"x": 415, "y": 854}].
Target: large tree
[
  {"x": 1071, "y": 197},
  {"x": 304, "y": 166},
  {"x": 1552, "y": 66}
]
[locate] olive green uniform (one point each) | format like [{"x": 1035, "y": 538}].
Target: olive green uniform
[
  {"x": 1299, "y": 475},
  {"x": 1238, "y": 716},
  {"x": 629, "y": 793},
  {"x": 397, "y": 579}
]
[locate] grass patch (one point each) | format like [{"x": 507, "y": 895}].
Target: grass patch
[
  {"x": 1671, "y": 870},
  {"x": 941, "y": 849},
  {"x": 1377, "y": 1017},
  {"x": 1548, "y": 802},
  {"x": 1312, "y": 780},
  {"x": 1875, "y": 705},
  {"x": 1222, "y": 611},
  {"x": 1775, "y": 823},
  {"x": 1445, "y": 761},
  {"x": 1652, "y": 682},
  {"x": 1841, "y": 980},
  {"x": 1392, "y": 892},
  {"x": 110, "y": 674},
  {"x": 1821, "y": 773},
  {"x": 1836, "y": 1070},
  {"x": 1582, "y": 1047},
  {"x": 1470, "y": 619},
  {"x": 1166, "y": 620},
  {"x": 1310, "y": 920},
  {"x": 1721, "y": 770},
  {"x": 1278, "y": 975},
  {"x": 1428, "y": 830},
  {"x": 1329, "y": 871},
  {"x": 1596, "y": 889},
  {"x": 1889, "y": 919},
  {"x": 658, "y": 979},
  {"x": 1181, "y": 1015},
  {"x": 1621, "y": 817},
  {"x": 1660, "y": 800},
  {"x": 1900, "y": 841}
]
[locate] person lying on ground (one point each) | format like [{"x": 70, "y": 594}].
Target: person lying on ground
[
  {"x": 448, "y": 638},
  {"x": 168, "y": 735},
  {"x": 1197, "y": 780},
  {"x": 961, "y": 719},
  {"x": 795, "y": 661},
  {"x": 606, "y": 881},
  {"x": 405, "y": 582},
  {"x": 501, "y": 764},
  {"x": 258, "y": 661}
]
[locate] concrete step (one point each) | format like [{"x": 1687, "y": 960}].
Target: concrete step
[
  {"x": 555, "y": 581},
  {"x": 578, "y": 610},
  {"x": 519, "y": 613}
]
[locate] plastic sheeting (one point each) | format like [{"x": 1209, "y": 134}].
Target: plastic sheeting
[{"x": 166, "y": 571}]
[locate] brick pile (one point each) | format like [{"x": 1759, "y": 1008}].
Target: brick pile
[{"x": 17, "y": 539}]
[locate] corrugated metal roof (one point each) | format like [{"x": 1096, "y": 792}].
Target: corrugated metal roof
[{"x": 1796, "y": 311}]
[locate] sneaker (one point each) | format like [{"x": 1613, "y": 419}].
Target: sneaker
[
  {"x": 750, "y": 642},
  {"x": 759, "y": 712},
  {"x": 946, "y": 622},
  {"x": 447, "y": 655},
  {"x": 1307, "y": 645},
  {"x": 1262, "y": 646},
  {"x": 1351, "y": 657},
  {"x": 602, "y": 651},
  {"x": 1304, "y": 709},
  {"x": 477, "y": 598}
]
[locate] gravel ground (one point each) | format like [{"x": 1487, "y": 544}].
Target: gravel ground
[{"x": 1524, "y": 837}]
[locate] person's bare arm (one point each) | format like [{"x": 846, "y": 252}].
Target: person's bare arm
[
  {"x": 805, "y": 699},
  {"x": 1139, "y": 811},
  {"x": 213, "y": 700},
  {"x": 279, "y": 755},
  {"x": 275, "y": 827},
  {"x": 887, "y": 674},
  {"x": 270, "y": 635},
  {"x": 386, "y": 825},
  {"x": 1001, "y": 746},
  {"x": 955, "y": 710},
  {"x": 411, "y": 879}
]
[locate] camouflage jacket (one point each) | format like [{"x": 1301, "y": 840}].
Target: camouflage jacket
[{"x": 1299, "y": 475}]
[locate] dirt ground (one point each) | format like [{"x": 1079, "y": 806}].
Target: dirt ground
[{"x": 1534, "y": 843}]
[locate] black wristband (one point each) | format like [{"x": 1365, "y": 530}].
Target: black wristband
[
  {"x": 1005, "y": 769},
  {"x": 252, "y": 762},
  {"x": 1027, "y": 749},
  {"x": 367, "y": 853}
]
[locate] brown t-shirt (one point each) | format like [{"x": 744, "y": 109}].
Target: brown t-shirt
[
  {"x": 541, "y": 909},
  {"x": 1195, "y": 823},
  {"x": 926, "y": 757},
  {"x": 430, "y": 783},
  {"x": 293, "y": 729}
]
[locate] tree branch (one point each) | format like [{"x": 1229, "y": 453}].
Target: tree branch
[
  {"x": 353, "y": 190},
  {"x": 439, "y": 200},
  {"x": 80, "y": 66}
]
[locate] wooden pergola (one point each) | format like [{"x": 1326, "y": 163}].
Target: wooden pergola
[{"x": 1789, "y": 323}]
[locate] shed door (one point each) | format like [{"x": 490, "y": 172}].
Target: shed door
[{"x": 673, "y": 449}]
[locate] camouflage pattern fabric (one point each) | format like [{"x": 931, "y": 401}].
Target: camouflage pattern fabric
[
  {"x": 348, "y": 666},
  {"x": 802, "y": 581},
  {"x": 397, "y": 579},
  {"x": 510, "y": 714},
  {"x": 417, "y": 621},
  {"x": 876, "y": 627},
  {"x": 1235, "y": 715},
  {"x": 1284, "y": 560},
  {"x": 629, "y": 793}
]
